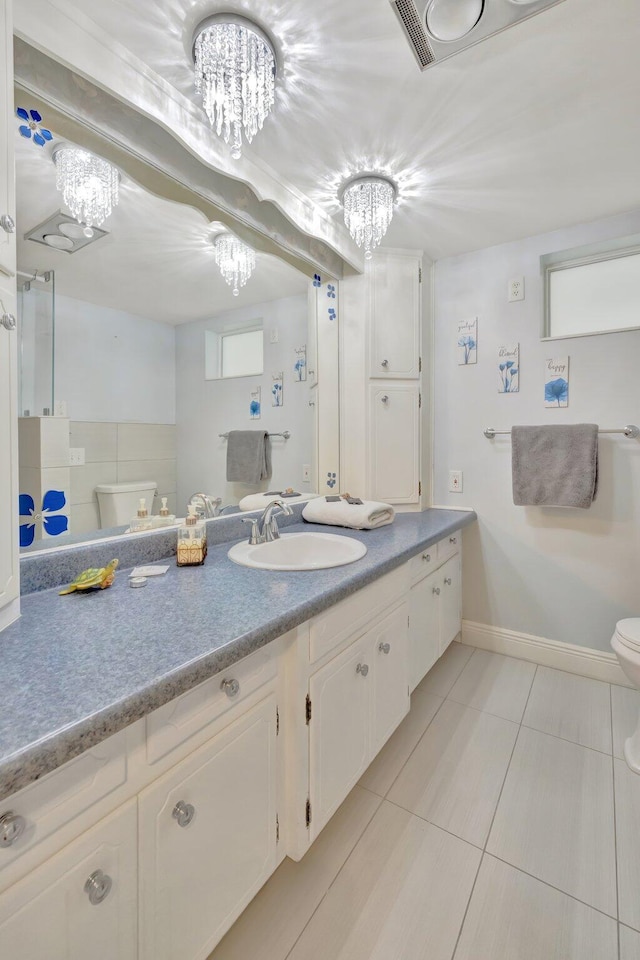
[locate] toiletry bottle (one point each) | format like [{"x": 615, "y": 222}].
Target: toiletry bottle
[
  {"x": 164, "y": 518},
  {"x": 192, "y": 540},
  {"x": 142, "y": 521}
]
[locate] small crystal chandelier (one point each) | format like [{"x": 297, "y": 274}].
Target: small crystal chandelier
[
  {"x": 368, "y": 209},
  {"x": 235, "y": 74},
  {"x": 89, "y": 184},
  {"x": 236, "y": 260}
]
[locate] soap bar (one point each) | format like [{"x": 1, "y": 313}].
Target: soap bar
[{"x": 148, "y": 571}]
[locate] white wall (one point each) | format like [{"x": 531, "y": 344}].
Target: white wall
[
  {"x": 113, "y": 366},
  {"x": 563, "y": 574},
  {"x": 205, "y": 408}
]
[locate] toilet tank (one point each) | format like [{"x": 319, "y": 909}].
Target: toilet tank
[{"x": 118, "y": 502}]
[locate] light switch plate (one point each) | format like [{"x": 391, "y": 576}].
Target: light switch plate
[
  {"x": 76, "y": 456},
  {"x": 455, "y": 481},
  {"x": 306, "y": 473},
  {"x": 273, "y": 335}
]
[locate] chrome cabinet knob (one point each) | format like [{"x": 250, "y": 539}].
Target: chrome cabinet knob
[
  {"x": 12, "y": 826},
  {"x": 98, "y": 887},
  {"x": 436, "y": 590},
  {"x": 426, "y": 556},
  {"x": 183, "y": 813},
  {"x": 384, "y": 398},
  {"x": 7, "y": 223},
  {"x": 447, "y": 580},
  {"x": 384, "y": 647},
  {"x": 231, "y": 687},
  {"x": 8, "y": 321},
  {"x": 384, "y": 363},
  {"x": 453, "y": 539},
  {"x": 362, "y": 669}
]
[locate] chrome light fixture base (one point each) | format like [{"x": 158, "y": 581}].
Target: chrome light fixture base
[
  {"x": 368, "y": 201},
  {"x": 235, "y": 66}
]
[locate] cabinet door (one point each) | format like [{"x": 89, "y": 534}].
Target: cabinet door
[
  {"x": 395, "y": 321},
  {"x": 451, "y": 601},
  {"x": 389, "y": 654},
  {"x": 49, "y": 915},
  {"x": 394, "y": 454},
  {"x": 208, "y": 838},
  {"x": 424, "y": 626},
  {"x": 339, "y": 730},
  {"x": 7, "y": 187}
]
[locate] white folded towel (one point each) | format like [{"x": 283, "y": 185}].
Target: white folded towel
[
  {"x": 258, "y": 501},
  {"x": 365, "y": 516}
]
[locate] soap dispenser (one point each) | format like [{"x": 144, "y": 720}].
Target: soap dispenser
[
  {"x": 142, "y": 521},
  {"x": 164, "y": 518},
  {"x": 192, "y": 540}
]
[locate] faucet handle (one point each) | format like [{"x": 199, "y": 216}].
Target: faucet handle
[{"x": 254, "y": 535}]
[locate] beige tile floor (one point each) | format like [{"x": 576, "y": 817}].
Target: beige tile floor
[{"x": 498, "y": 823}]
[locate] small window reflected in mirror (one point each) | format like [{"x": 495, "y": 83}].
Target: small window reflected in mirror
[
  {"x": 592, "y": 290},
  {"x": 234, "y": 353}
]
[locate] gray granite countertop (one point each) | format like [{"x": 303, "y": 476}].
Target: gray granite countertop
[{"x": 78, "y": 668}]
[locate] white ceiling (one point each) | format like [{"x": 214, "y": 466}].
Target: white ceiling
[
  {"x": 157, "y": 260},
  {"x": 531, "y": 130}
]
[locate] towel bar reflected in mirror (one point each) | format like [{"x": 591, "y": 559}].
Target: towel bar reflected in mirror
[
  {"x": 629, "y": 431},
  {"x": 285, "y": 435}
]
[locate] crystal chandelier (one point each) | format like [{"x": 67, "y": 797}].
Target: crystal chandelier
[
  {"x": 235, "y": 75},
  {"x": 236, "y": 260},
  {"x": 368, "y": 209},
  {"x": 89, "y": 184}
]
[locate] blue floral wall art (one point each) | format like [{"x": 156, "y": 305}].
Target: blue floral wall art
[
  {"x": 300, "y": 365},
  {"x": 556, "y": 382},
  {"x": 509, "y": 369},
  {"x": 467, "y": 341},
  {"x": 255, "y": 404},
  {"x": 52, "y": 521},
  {"x": 276, "y": 389}
]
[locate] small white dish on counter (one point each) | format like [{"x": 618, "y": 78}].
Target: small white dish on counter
[{"x": 299, "y": 551}]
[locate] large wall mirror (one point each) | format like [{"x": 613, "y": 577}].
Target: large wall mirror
[{"x": 135, "y": 360}]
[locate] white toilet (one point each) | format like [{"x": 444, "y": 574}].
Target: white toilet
[
  {"x": 626, "y": 645},
  {"x": 118, "y": 502}
]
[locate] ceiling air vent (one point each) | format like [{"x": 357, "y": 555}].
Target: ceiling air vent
[
  {"x": 62, "y": 232},
  {"x": 408, "y": 15},
  {"x": 438, "y": 29}
]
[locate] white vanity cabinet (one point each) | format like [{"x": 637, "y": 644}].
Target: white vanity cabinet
[
  {"x": 9, "y": 604},
  {"x": 435, "y": 604},
  {"x": 208, "y": 835},
  {"x": 81, "y": 903}
]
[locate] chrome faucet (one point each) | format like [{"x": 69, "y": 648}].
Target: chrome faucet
[
  {"x": 207, "y": 506},
  {"x": 265, "y": 528}
]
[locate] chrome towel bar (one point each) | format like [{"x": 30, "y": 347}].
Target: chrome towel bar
[
  {"x": 285, "y": 435},
  {"x": 629, "y": 431}
]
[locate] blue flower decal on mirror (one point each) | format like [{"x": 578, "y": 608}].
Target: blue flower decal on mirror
[
  {"x": 331, "y": 291},
  {"x": 331, "y": 480},
  {"x": 53, "y": 500},
  {"x": 32, "y": 126},
  {"x": 317, "y": 280},
  {"x": 332, "y": 313}
]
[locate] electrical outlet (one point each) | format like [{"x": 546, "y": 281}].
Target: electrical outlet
[
  {"x": 306, "y": 473},
  {"x": 273, "y": 335},
  {"x": 60, "y": 408},
  {"x": 455, "y": 481},
  {"x": 516, "y": 289},
  {"x": 76, "y": 456}
]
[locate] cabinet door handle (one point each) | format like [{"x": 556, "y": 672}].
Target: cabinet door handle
[
  {"x": 447, "y": 580},
  {"x": 12, "y": 826},
  {"x": 7, "y": 223},
  {"x": 362, "y": 669},
  {"x": 384, "y": 398},
  {"x": 183, "y": 813},
  {"x": 384, "y": 363},
  {"x": 384, "y": 647},
  {"x": 426, "y": 556},
  {"x": 453, "y": 539},
  {"x": 436, "y": 590},
  {"x": 97, "y": 887},
  {"x": 230, "y": 687}
]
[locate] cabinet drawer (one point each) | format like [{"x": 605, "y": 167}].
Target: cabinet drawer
[
  {"x": 330, "y": 629},
  {"x": 172, "y": 725},
  {"x": 450, "y": 545},
  {"x": 64, "y": 794},
  {"x": 423, "y": 563}
]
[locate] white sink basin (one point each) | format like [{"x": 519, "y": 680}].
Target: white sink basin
[{"x": 299, "y": 551}]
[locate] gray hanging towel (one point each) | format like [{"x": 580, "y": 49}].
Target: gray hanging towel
[
  {"x": 555, "y": 465},
  {"x": 248, "y": 456}
]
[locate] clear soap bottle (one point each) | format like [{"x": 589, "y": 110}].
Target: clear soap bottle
[
  {"x": 164, "y": 518},
  {"x": 142, "y": 521},
  {"x": 192, "y": 540}
]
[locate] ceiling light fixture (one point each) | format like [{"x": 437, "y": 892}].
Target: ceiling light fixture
[
  {"x": 449, "y": 20},
  {"x": 235, "y": 75},
  {"x": 89, "y": 185},
  {"x": 235, "y": 259},
  {"x": 368, "y": 209}
]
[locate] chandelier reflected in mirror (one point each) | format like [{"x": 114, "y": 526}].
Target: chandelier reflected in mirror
[
  {"x": 368, "y": 208},
  {"x": 235, "y": 259},
  {"x": 89, "y": 184},
  {"x": 235, "y": 67}
]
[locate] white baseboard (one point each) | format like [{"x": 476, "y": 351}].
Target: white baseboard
[{"x": 597, "y": 664}]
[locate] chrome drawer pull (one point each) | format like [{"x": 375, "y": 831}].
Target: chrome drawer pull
[
  {"x": 362, "y": 669},
  {"x": 447, "y": 580},
  {"x": 230, "y": 687},
  {"x": 97, "y": 887},
  {"x": 8, "y": 321},
  {"x": 384, "y": 647},
  {"x": 426, "y": 556},
  {"x": 384, "y": 363},
  {"x": 436, "y": 590},
  {"x": 12, "y": 826},
  {"x": 183, "y": 813},
  {"x": 453, "y": 539},
  {"x": 384, "y": 399},
  {"x": 7, "y": 223}
]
